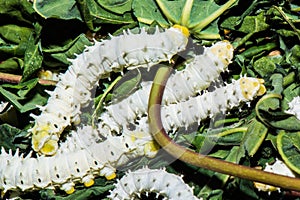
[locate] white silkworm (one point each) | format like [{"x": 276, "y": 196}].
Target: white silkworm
[
  {"x": 84, "y": 156},
  {"x": 168, "y": 185},
  {"x": 197, "y": 75},
  {"x": 73, "y": 90},
  {"x": 80, "y": 161},
  {"x": 195, "y": 109},
  {"x": 211, "y": 103}
]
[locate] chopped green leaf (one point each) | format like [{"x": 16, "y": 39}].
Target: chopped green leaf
[
  {"x": 23, "y": 88},
  {"x": 183, "y": 12},
  {"x": 289, "y": 93},
  {"x": 294, "y": 56},
  {"x": 63, "y": 53},
  {"x": 101, "y": 15},
  {"x": 254, "y": 137},
  {"x": 11, "y": 65},
  {"x": 148, "y": 12},
  {"x": 7, "y": 135},
  {"x": 127, "y": 85},
  {"x": 65, "y": 9},
  {"x": 116, "y": 6},
  {"x": 33, "y": 59},
  {"x": 23, "y": 99},
  {"x": 288, "y": 144},
  {"x": 14, "y": 33},
  {"x": 269, "y": 112},
  {"x": 264, "y": 66},
  {"x": 254, "y": 24},
  {"x": 19, "y": 10}
]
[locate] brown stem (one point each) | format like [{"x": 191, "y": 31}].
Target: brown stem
[
  {"x": 12, "y": 78},
  {"x": 186, "y": 155}
]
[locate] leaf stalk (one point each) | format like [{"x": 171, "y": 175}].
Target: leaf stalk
[
  {"x": 159, "y": 134},
  {"x": 186, "y": 12}
]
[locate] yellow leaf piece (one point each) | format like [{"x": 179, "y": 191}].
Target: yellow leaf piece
[
  {"x": 262, "y": 89},
  {"x": 45, "y": 74},
  {"x": 264, "y": 187}
]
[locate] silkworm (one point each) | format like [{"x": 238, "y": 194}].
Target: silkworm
[
  {"x": 211, "y": 103},
  {"x": 84, "y": 155},
  {"x": 145, "y": 180},
  {"x": 161, "y": 137},
  {"x": 195, "y": 77},
  {"x": 195, "y": 109},
  {"x": 73, "y": 91},
  {"x": 79, "y": 161}
]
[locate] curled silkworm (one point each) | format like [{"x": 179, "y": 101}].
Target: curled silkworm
[
  {"x": 145, "y": 180},
  {"x": 85, "y": 155},
  {"x": 195, "y": 109},
  {"x": 80, "y": 159},
  {"x": 195, "y": 77},
  {"x": 73, "y": 91}
]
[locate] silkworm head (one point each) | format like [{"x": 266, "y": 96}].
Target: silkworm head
[
  {"x": 251, "y": 87},
  {"x": 40, "y": 136},
  {"x": 224, "y": 51},
  {"x": 42, "y": 141}
]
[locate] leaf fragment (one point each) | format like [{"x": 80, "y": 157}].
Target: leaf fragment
[{"x": 288, "y": 144}]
